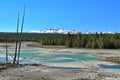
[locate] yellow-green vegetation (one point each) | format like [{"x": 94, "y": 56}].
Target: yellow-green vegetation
[{"x": 113, "y": 59}]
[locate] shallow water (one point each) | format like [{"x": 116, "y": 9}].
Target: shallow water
[
  {"x": 110, "y": 66},
  {"x": 36, "y": 56}
]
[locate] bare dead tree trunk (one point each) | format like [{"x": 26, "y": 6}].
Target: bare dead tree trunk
[
  {"x": 15, "y": 56},
  {"x": 20, "y": 36},
  {"x": 6, "y": 52}
]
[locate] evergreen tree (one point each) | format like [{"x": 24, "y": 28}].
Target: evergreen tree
[{"x": 69, "y": 40}]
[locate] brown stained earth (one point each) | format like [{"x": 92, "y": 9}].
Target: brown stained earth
[{"x": 113, "y": 59}]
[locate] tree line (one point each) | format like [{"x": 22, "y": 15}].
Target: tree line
[{"x": 100, "y": 41}]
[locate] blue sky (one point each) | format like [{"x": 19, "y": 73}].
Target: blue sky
[{"x": 92, "y": 15}]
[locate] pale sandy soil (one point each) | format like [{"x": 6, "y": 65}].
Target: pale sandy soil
[{"x": 45, "y": 72}]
